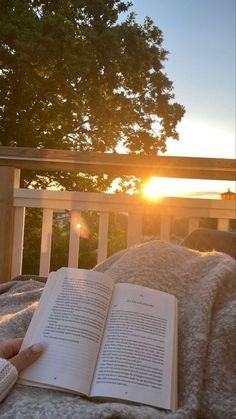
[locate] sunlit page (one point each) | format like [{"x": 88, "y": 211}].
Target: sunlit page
[
  {"x": 135, "y": 361},
  {"x": 38, "y": 316},
  {"x": 72, "y": 324}
]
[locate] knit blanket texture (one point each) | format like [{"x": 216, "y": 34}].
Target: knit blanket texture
[{"x": 204, "y": 284}]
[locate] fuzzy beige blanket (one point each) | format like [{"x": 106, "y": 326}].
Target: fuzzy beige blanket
[{"x": 204, "y": 284}]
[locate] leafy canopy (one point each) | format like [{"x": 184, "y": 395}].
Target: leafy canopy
[{"x": 83, "y": 75}]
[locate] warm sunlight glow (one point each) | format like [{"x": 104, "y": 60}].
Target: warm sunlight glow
[
  {"x": 155, "y": 188},
  {"x": 152, "y": 190}
]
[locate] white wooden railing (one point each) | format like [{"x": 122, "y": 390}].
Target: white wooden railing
[
  {"x": 134, "y": 206},
  {"x": 14, "y": 200}
]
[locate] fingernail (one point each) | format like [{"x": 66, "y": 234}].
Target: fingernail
[{"x": 39, "y": 347}]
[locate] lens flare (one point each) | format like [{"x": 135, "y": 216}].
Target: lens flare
[
  {"x": 80, "y": 226},
  {"x": 152, "y": 190}
]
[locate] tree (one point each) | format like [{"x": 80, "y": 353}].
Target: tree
[
  {"x": 75, "y": 75},
  {"x": 81, "y": 75}
]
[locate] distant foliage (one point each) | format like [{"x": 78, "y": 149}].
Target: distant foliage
[
  {"x": 83, "y": 75},
  {"x": 60, "y": 239},
  {"x": 32, "y": 237}
]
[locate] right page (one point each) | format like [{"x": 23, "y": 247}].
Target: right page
[{"x": 137, "y": 360}]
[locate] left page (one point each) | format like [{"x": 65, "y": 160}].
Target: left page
[{"x": 70, "y": 317}]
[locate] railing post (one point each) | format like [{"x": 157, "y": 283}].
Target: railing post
[
  {"x": 165, "y": 227},
  {"x": 103, "y": 236},
  {"x": 75, "y": 227},
  {"x": 9, "y": 179},
  {"x": 134, "y": 234},
  {"x": 223, "y": 224},
  {"x": 193, "y": 224},
  {"x": 46, "y": 240},
  {"x": 18, "y": 241}
]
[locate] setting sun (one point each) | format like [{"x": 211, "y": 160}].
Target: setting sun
[
  {"x": 153, "y": 189},
  {"x": 156, "y": 188}
]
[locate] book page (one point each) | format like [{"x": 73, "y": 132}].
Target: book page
[
  {"x": 136, "y": 356},
  {"x": 31, "y": 334},
  {"x": 71, "y": 319},
  {"x": 174, "y": 388}
]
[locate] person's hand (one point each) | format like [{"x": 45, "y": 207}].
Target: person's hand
[
  {"x": 12, "y": 362},
  {"x": 9, "y": 349}
]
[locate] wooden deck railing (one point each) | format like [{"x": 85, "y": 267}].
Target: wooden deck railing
[{"x": 14, "y": 200}]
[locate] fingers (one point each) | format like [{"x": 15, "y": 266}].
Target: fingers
[
  {"x": 28, "y": 356},
  {"x": 10, "y": 347}
]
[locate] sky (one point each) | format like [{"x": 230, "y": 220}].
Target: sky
[{"x": 200, "y": 36}]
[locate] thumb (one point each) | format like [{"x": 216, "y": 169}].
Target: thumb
[{"x": 28, "y": 356}]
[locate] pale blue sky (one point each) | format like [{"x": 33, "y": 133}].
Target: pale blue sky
[{"x": 200, "y": 36}]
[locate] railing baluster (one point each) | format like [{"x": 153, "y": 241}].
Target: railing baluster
[
  {"x": 193, "y": 224},
  {"x": 9, "y": 182},
  {"x": 75, "y": 227},
  {"x": 102, "y": 236},
  {"x": 223, "y": 224},
  {"x": 18, "y": 240},
  {"x": 46, "y": 239},
  {"x": 134, "y": 234},
  {"x": 165, "y": 227},
  {"x": 192, "y": 208}
]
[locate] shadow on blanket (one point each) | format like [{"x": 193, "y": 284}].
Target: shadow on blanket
[{"x": 204, "y": 284}]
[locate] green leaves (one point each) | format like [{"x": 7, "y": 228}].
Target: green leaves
[{"x": 74, "y": 75}]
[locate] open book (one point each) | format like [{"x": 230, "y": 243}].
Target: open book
[{"x": 105, "y": 341}]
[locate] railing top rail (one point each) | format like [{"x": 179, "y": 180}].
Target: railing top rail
[
  {"x": 92, "y": 201},
  {"x": 47, "y": 196},
  {"x": 118, "y": 164}
]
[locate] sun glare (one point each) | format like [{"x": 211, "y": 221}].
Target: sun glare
[
  {"x": 153, "y": 189},
  {"x": 156, "y": 188}
]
